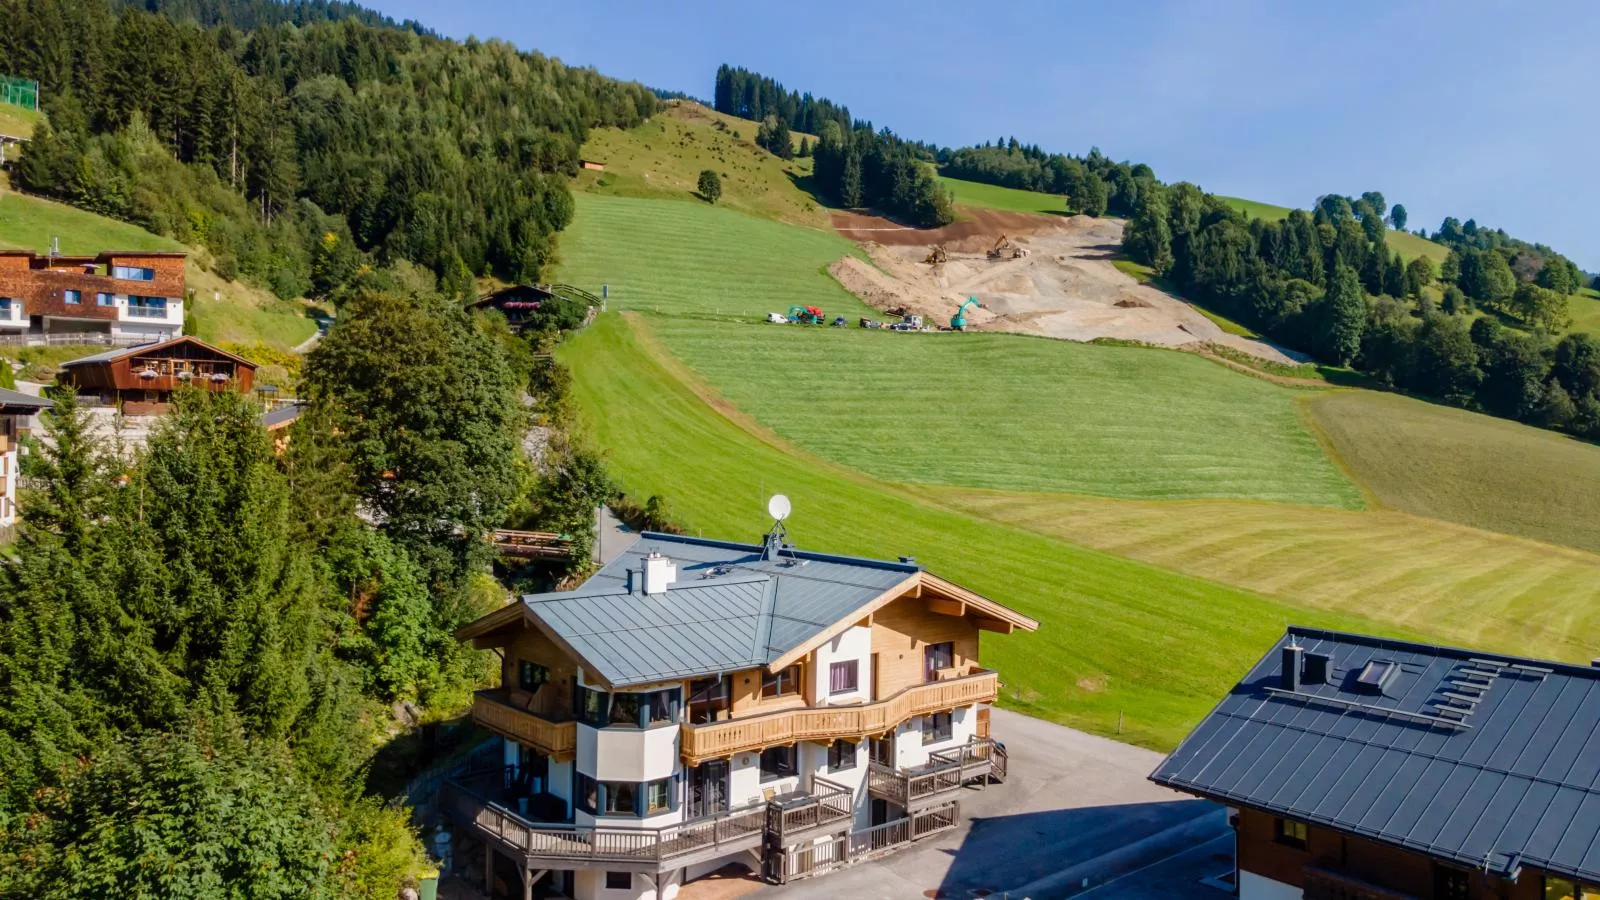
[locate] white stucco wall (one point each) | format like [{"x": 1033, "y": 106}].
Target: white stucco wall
[
  {"x": 1255, "y": 887},
  {"x": 744, "y": 780},
  {"x": 909, "y": 750},
  {"x": 591, "y": 885},
  {"x": 628, "y": 754},
  {"x": 853, "y": 643},
  {"x": 8, "y": 506}
]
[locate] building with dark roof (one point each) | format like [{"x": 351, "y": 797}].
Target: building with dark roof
[
  {"x": 15, "y": 410},
  {"x": 140, "y": 379},
  {"x": 563, "y": 305},
  {"x": 697, "y": 702},
  {"x": 1361, "y": 767},
  {"x": 120, "y": 296}
]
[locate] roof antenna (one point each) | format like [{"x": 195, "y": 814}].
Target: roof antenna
[{"x": 772, "y": 544}]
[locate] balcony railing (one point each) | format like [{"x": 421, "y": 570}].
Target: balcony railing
[
  {"x": 147, "y": 312},
  {"x": 492, "y": 710},
  {"x": 826, "y": 723},
  {"x": 945, "y": 773},
  {"x": 562, "y": 846},
  {"x": 815, "y": 858},
  {"x": 1330, "y": 884},
  {"x": 829, "y": 804}
]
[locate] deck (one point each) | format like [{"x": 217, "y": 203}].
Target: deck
[{"x": 945, "y": 773}]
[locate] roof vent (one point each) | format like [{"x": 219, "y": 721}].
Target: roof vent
[
  {"x": 1595, "y": 662},
  {"x": 1290, "y": 676},
  {"x": 1317, "y": 667},
  {"x": 909, "y": 560},
  {"x": 1376, "y": 676},
  {"x": 659, "y": 572}
]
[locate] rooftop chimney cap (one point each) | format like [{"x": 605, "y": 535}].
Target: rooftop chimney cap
[
  {"x": 658, "y": 572},
  {"x": 909, "y": 560},
  {"x": 1595, "y": 662}
]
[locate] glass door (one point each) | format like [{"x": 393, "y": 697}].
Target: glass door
[{"x": 708, "y": 788}]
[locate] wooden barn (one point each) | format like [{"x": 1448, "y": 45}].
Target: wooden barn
[
  {"x": 520, "y": 302},
  {"x": 140, "y": 379}
]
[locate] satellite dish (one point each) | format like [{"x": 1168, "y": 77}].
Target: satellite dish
[{"x": 778, "y": 507}]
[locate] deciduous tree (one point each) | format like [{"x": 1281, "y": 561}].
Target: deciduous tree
[{"x": 709, "y": 185}]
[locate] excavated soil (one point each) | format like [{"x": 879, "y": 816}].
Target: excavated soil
[{"x": 1064, "y": 286}]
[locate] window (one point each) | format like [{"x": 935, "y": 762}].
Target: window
[
  {"x": 624, "y": 709},
  {"x": 147, "y": 307},
  {"x": 781, "y": 684},
  {"x": 619, "y": 798},
  {"x": 841, "y": 756},
  {"x": 619, "y": 881},
  {"x": 71, "y": 297},
  {"x": 708, "y": 697},
  {"x": 937, "y": 727},
  {"x": 105, "y": 299},
  {"x": 530, "y": 675},
  {"x": 133, "y": 273},
  {"x": 591, "y": 706},
  {"x": 1563, "y": 889},
  {"x": 842, "y": 677},
  {"x": 587, "y": 793},
  {"x": 1293, "y": 833},
  {"x": 936, "y": 657},
  {"x": 881, "y": 751},
  {"x": 661, "y": 706},
  {"x": 1451, "y": 884},
  {"x": 658, "y": 796},
  {"x": 778, "y": 762}
]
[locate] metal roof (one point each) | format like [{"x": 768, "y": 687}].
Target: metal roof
[
  {"x": 729, "y": 607},
  {"x": 1482, "y": 759},
  {"x": 109, "y": 355},
  {"x": 17, "y": 399},
  {"x": 119, "y": 352}
]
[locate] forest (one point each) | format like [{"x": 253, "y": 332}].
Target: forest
[
  {"x": 286, "y": 150},
  {"x": 1326, "y": 283}
]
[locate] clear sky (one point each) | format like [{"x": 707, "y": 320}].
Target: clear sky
[{"x": 1477, "y": 110}]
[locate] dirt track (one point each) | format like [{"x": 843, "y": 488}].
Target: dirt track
[{"x": 1065, "y": 287}]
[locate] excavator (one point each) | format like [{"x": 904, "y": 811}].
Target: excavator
[
  {"x": 805, "y": 315},
  {"x": 958, "y": 322},
  {"x": 936, "y": 255}
]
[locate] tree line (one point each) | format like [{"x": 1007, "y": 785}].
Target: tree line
[
  {"x": 1325, "y": 282},
  {"x": 1092, "y": 185},
  {"x": 257, "y": 144},
  {"x": 748, "y": 95},
  {"x": 247, "y": 14}
]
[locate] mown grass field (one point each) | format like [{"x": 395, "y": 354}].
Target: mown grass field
[
  {"x": 1005, "y": 411},
  {"x": 1404, "y": 243},
  {"x": 1455, "y": 584},
  {"x": 18, "y": 122},
  {"x": 1467, "y": 468},
  {"x": 29, "y": 223},
  {"x": 663, "y": 158},
  {"x": 1118, "y": 636},
  {"x": 989, "y": 196},
  {"x": 691, "y": 258},
  {"x": 1585, "y": 309}
]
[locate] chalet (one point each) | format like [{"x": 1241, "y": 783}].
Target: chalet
[
  {"x": 1361, "y": 768},
  {"x": 140, "y": 379},
  {"x": 520, "y": 302},
  {"x": 699, "y": 702},
  {"x": 15, "y": 410},
  {"x": 119, "y": 296}
]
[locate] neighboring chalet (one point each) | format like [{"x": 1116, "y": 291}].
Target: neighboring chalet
[
  {"x": 698, "y": 702},
  {"x": 118, "y": 296},
  {"x": 519, "y": 302},
  {"x": 15, "y": 410},
  {"x": 140, "y": 379},
  {"x": 1369, "y": 769}
]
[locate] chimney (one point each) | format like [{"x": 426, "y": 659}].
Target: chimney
[
  {"x": 659, "y": 572},
  {"x": 1595, "y": 662},
  {"x": 1317, "y": 668},
  {"x": 1290, "y": 680}
]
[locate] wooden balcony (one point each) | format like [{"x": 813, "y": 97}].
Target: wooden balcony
[
  {"x": 492, "y": 710},
  {"x": 828, "y": 807},
  {"x": 785, "y": 864},
  {"x": 826, "y": 723},
  {"x": 945, "y": 773},
  {"x": 1330, "y": 884}
]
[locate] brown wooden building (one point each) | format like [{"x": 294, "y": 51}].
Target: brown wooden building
[
  {"x": 125, "y": 295},
  {"x": 141, "y": 379},
  {"x": 521, "y": 302},
  {"x": 1359, "y": 768}
]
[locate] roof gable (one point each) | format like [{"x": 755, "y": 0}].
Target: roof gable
[
  {"x": 186, "y": 340},
  {"x": 1487, "y": 760}
]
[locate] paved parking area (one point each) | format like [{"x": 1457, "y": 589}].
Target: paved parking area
[{"x": 1075, "y": 806}]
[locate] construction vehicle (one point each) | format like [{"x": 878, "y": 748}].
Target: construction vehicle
[
  {"x": 870, "y": 323},
  {"x": 958, "y": 322},
  {"x": 1006, "y": 249},
  {"x": 936, "y": 255},
  {"x": 805, "y": 315}
]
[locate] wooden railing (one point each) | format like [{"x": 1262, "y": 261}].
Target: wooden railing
[
  {"x": 556, "y": 739},
  {"x": 830, "y": 804},
  {"x": 945, "y": 772},
  {"x": 826, "y": 723},
  {"x": 531, "y": 544},
  {"x": 557, "y": 846},
  {"x": 815, "y": 858}
]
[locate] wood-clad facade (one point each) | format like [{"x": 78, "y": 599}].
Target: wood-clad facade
[
  {"x": 122, "y": 295},
  {"x": 141, "y": 380}
]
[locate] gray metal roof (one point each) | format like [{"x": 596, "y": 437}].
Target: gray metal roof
[
  {"x": 109, "y": 355},
  {"x": 282, "y": 414},
  {"x": 729, "y": 608},
  {"x": 1486, "y": 760},
  {"x": 17, "y": 399}
]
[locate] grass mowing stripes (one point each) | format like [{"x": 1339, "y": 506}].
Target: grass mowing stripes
[
  {"x": 1007, "y": 411},
  {"x": 690, "y": 258},
  {"x": 1118, "y": 636},
  {"x": 991, "y": 196},
  {"x": 1468, "y": 468}
]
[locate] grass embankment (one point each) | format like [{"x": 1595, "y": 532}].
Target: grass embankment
[
  {"x": 663, "y": 158},
  {"x": 989, "y": 196},
  {"x": 1455, "y": 584},
  {"x": 1465, "y": 467},
  {"x": 221, "y": 310},
  {"x": 1118, "y": 635},
  {"x": 690, "y": 258},
  {"x": 1005, "y": 411},
  {"x": 18, "y": 122},
  {"x": 1585, "y": 309},
  {"x": 1404, "y": 243}
]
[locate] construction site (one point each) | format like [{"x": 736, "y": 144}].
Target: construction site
[{"x": 1029, "y": 274}]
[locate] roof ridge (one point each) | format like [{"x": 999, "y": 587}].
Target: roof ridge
[
  {"x": 1440, "y": 650},
  {"x": 843, "y": 559}
]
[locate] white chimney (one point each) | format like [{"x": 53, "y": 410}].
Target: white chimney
[{"x": 659, "y": 572}]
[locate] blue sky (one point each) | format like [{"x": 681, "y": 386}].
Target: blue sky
[{"x": 1482, "y": 110}]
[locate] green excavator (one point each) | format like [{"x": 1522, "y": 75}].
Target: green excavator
[{"x": 958, "y": 322}]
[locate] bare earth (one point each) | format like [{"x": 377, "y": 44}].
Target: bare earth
[{"x": 1065, "y": 287}]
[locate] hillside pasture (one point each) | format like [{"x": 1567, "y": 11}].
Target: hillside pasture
[
  {"x": 1584, "y": 307},
  {"x": 1467, "y": 468},
  {"x": 990, "y": 196},
  {"x": 18, "y": 122},
  {"x": 1119, "y": 638},
  {"x": 1408, "y": 245},
  {"x": 1455, "y": 584},
  {"x": 691, "y": 258},
  {"x": 1006, "y": 411}
]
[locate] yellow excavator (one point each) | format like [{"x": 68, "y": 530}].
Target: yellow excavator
[{"x": 936, "y": 255}]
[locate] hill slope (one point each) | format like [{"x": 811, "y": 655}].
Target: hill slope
[{"x": 1404, "y": 243}]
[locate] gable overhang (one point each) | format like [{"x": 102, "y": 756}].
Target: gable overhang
[
  {"x": 520, "y": 615},
  {"x": 943, "y": 596}
]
